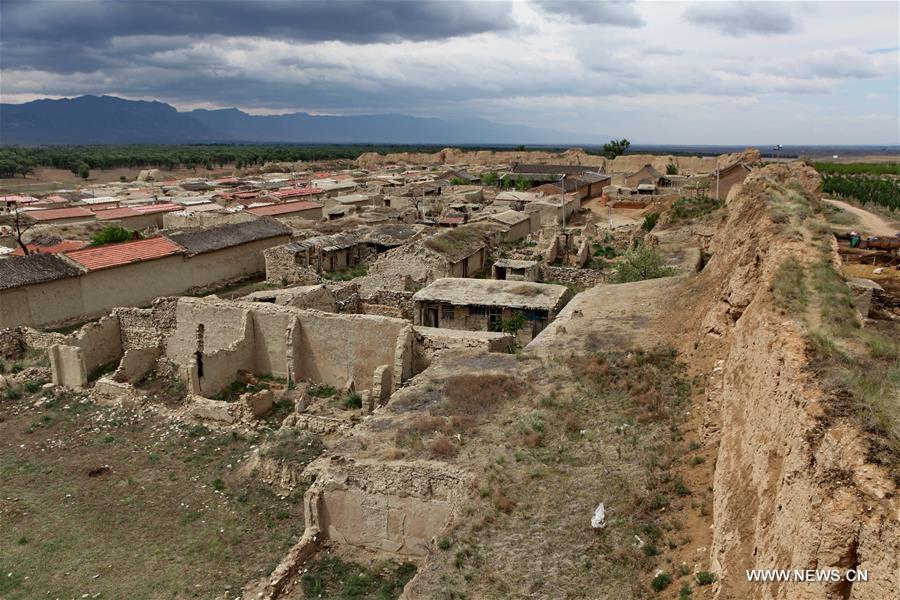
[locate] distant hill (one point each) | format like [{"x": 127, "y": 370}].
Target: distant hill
[{"x": 111, "y": 120}]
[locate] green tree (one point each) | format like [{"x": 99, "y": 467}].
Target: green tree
[
  {"x": 113, "y": 235},
  {"x": 639, "y": 264},
  {"x": 84, "y": 171},
  {"x": 671, "y": 169},
  {"x": 616, "y": 148}
]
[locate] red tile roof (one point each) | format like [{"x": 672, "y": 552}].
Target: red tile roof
[
  {"x": 61, "y": 246},
  {"x": 53, "y": 214},
  {"x": 115, "y": 255},
  {"x": 285, "y": 208},
  {"x": 116, "y": 213},
  {"x": 291, "y": 192},
  {"x": 155, "y": 208}
]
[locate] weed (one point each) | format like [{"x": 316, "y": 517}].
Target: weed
[
  {"x": 681, "y": 488},
  {"x": 322, "y": 391},
  {"x": 650, "y": 221},
  {"x": 661, "y": 582},
  {"x": 705, "y": 578},
  {"x": 685, "y": 209},
  {"x": 789, "y": 286},
  {"x": 351, "y": 400},
  {"x": 685, "y": 592},
  {"x": 442, "y": 447},
  {"x": 218, "y": 484},
  {"x": 444, "y": 543},
  {"x": 697, "y": 460},
  {"x": 651, "y": 550}
]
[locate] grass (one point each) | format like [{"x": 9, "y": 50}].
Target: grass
[
  {"x": 180, "y": 521},
  {"x": 661, "y": 582},
  {"x": 705, "y": 578},
  {"x": 789, "y": 287},
  {"x": 689, "y": 208},
  {"x": 639, "y": 264},
  {"x": 292, "y": 445},
  {"x": 330, "y": 577},
  {"x": 358, "y": 270}
]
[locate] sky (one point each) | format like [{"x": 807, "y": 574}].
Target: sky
[{"x": 654, "y": 72}]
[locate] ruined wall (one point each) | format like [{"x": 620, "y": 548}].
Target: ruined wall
[
  {"x": 335, "y": 349},
  {"x": 792, "y": 489},
  {"x": 95, "y": 345},
  {"x": 431, "y": 342},
  {"x": 572, "y": 276},
  {"x": 394, "y": 508}
]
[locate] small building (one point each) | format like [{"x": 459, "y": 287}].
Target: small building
[
  {"x": 463, "y": 248},
  {"x": 292, "y": 193},
  {"x": 321, "y": 253},
  {"x": 489, "y": 305},
  {"x": 129, "y": 218},
  {"x": 646, "y": 175},
  {"x": 302, "y": 209},
  {"x": 516, "y": 270},
  {"x": 519, "y": 224},
  {"x": 61, "y": 216}
]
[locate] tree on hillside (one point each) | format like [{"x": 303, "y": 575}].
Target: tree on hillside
[
  {"x": 21, "y": 223},
  {"x": 616, "y": 148}
]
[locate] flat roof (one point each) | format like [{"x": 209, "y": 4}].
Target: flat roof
[
  {"x": 509, "y": 217},
  {"x": 494, "y": 292},
  {"x": 512, "y": 263},
  {"x": 285, "y": 208},
  {"x": 54, "y": 214}
]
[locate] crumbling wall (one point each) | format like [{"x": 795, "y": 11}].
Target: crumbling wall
[
  {"x": 92, "y": 347},
  {"x": 147, "y": 327},
  {"x": 394, "y": 508},
  {"x": 389, "y": 303},
  {"x": 431, "y": 342},
  {"x": 572, "y": 276},
  {"x": 335, "y": 349}
]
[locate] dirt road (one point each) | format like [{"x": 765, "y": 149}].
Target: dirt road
[{"x": 868, "y": 222}]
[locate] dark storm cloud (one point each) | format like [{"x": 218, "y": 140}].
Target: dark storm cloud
[
  {"x": 70, "y": 35},
  {"x": 744, "y": 18},
  {"x": 590, "y": 12}
]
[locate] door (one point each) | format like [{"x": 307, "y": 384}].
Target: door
[{"x": 431, "y": 316}]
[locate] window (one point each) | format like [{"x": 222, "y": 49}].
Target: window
[
  {"x": 447, "y": 312},
  {"x": 495, "y": 315},
  {"x": 478, "y": 311}
]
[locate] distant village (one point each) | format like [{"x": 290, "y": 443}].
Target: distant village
[{"x": 393, "y": 230}]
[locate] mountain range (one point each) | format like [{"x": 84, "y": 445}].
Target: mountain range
[{"x": 112, "y": 120}]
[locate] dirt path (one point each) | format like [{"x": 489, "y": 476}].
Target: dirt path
[{"x": 868, "y": 222}]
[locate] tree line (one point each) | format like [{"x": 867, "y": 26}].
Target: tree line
[{"x": 866, "y": 189}]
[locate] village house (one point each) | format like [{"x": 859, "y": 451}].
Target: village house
[
  {"x": 61, "y": 216},
  {"x": 516, "y": 270},
  {"x": 646, "y": 179},
  {"x": 324, "y": 253},
  {"x": 87, "y": 283},
  {"x": 519, "y": 224},
  {"x": 489, "y": 305},
  {"x": 302, "y": 209}
]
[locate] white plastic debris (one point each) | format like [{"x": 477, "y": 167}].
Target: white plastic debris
[{"x": 598, "y": 521}]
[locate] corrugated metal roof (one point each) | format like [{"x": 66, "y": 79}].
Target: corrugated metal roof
[
  {"x": 281, "y": 209},
  {"x": 115, "y": 255},
  {"x": 53, "y": 214}
]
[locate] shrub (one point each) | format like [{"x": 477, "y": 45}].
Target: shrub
[
  {"x": 685, "y": 593},
  {"x": 351, "y": 400},
  {"x": 444, "y": 543},
  {"x": 661, "y": 582},
  {"x": 113, "y": 235},
  {"x": 690, "y": 208},
  {"x": 650, "y": 221},
  {"x": 639, "y": 264},
  {"x": 442, "y": 447},
  {"x": 705, "y": 578},
  {"x": 322, "y": 391},
  {"x": 671, "y": 169}
]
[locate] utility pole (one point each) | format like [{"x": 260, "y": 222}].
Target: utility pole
[{"x": 562, "y": 188}]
